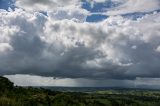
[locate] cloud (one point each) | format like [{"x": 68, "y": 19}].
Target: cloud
[
  {"x": 116, "y": 48},
  {"x": 76, "y": 14},
  {"x": 43, "y": 5},
  {"x": 158, "y": 49},
  {"x": 30, "y": 80},
  {"x": 5, "y": 47},
  {"x": 56, "y": 9},
  {"x": 132, "y": 6},
  {"x": 74, "y": 9}
]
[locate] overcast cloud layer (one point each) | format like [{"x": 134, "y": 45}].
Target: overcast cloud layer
[{"x": 60, "y": 43}]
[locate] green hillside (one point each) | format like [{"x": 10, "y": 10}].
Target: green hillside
[{"x": 5, "y": 84}]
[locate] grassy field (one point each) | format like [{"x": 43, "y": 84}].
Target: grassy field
[{"x": 19, "y": 96}]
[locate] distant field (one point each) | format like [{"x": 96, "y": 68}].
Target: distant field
[{"x": 94, "y": 89}]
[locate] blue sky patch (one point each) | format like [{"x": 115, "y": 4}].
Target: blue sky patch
[
  {"x": 98, "y": 7},
  {"x": 5, "y": 4},
  {"x": 96, "y": 18}
]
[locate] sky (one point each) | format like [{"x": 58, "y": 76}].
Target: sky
[{"x": 109, "y": 43}]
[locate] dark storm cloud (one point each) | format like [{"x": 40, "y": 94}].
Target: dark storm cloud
[{"x": 116, "y": 48}]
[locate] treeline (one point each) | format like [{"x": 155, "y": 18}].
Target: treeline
[{"x": 11, "y": 95}]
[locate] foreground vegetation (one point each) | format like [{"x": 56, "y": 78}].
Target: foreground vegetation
[{"x": 19, "y": 96}]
